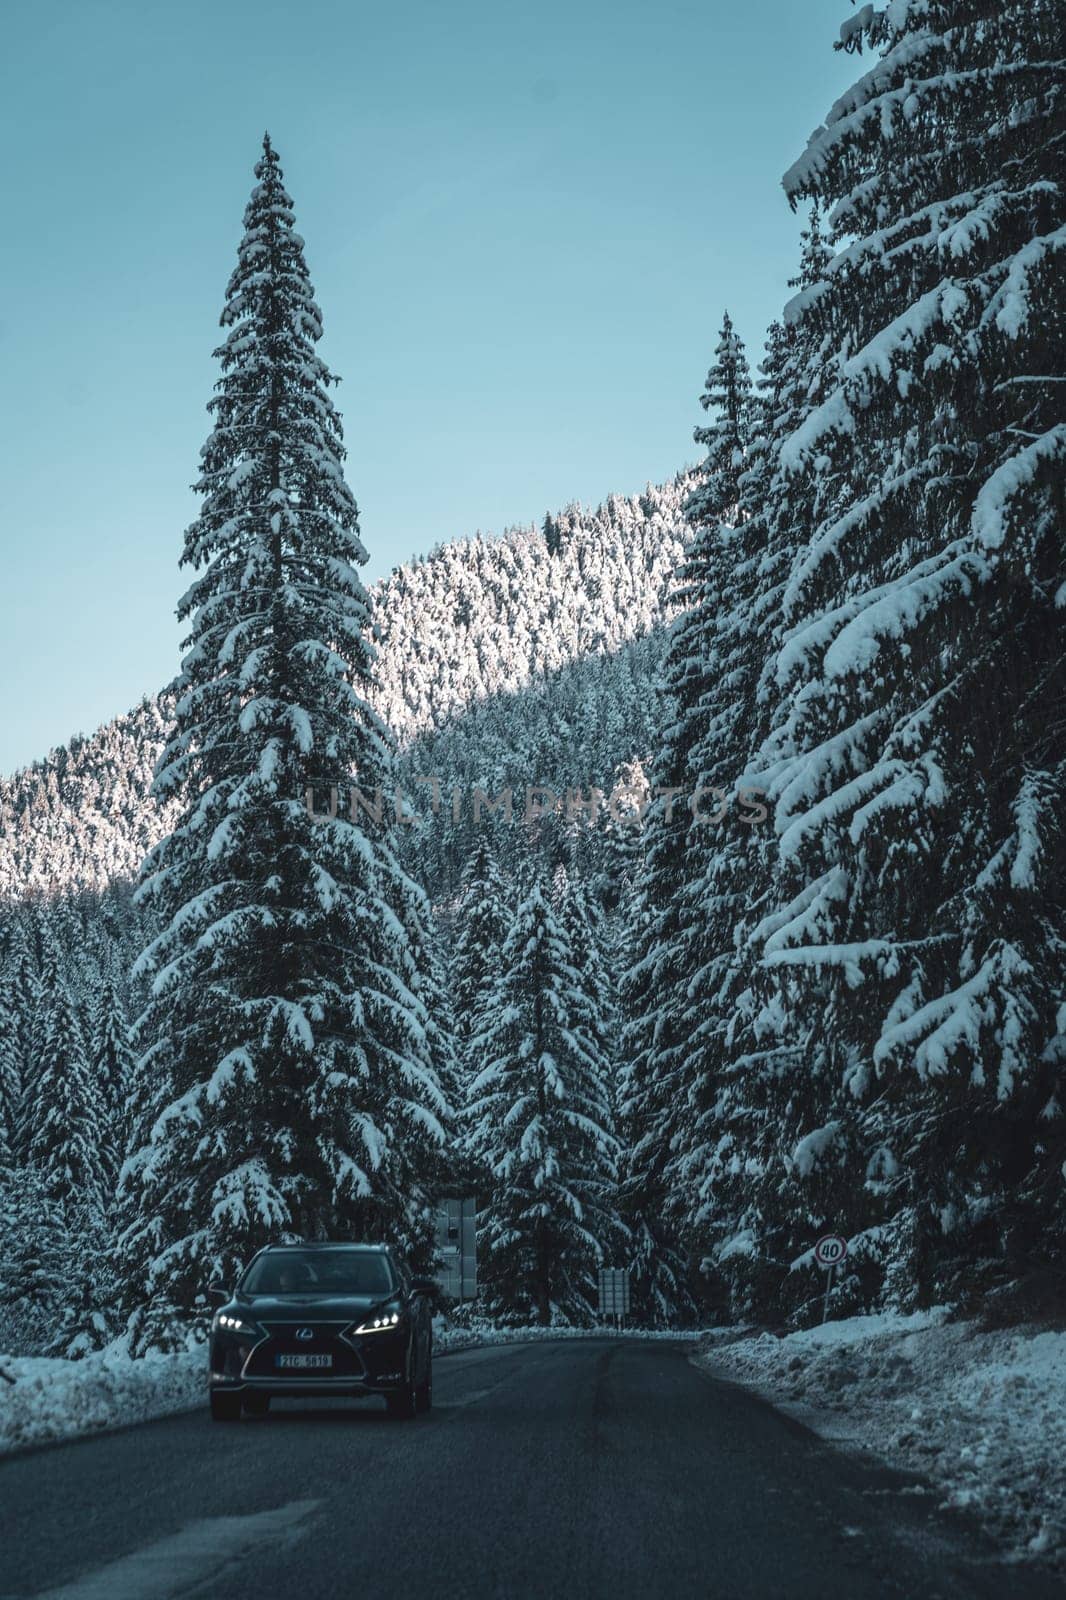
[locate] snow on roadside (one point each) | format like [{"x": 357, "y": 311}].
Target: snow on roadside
[
  {"x": 449, "y": 1336},
  {"x": 981, "y": 1414},
  {"x": 52, "y": 1398}
]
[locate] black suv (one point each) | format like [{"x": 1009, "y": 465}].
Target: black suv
[{"x": 322, "y": 1319}]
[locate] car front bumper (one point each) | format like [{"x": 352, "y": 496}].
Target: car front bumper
[
  {"x": 375, "y": 1363},
  {"x": 310, "y": 1388}
]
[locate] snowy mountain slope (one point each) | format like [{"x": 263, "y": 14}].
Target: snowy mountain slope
[{"x": 485, "y": 623}]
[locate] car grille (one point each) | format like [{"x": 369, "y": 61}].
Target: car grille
[{"x": 325, "y": 1340}]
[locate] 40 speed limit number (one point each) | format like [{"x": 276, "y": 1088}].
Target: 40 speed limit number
[{"x": 830, "y": 1250}]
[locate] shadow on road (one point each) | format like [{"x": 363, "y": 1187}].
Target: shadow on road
[{"x": 327, "y": 1411}]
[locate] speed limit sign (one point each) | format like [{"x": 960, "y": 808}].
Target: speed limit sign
[{"x": 830, "y": 1250}]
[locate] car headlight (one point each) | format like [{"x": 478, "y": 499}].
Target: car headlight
[
  {"x": 381, "y": 1323},
  {"x": 230, "y": 1324}
]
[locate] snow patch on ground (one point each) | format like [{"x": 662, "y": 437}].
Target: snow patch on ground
[
  {"x": 52, "y": 1398},
  {"x": 46, "y": 1399},
  {"x": 448, "y": 1336},
  {"x": 981, "y": 1414}
]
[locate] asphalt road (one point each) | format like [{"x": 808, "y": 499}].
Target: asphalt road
[{"x": 600, "y": 1468}]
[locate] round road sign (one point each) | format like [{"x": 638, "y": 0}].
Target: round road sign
[{"x": 830, "y": 1250}]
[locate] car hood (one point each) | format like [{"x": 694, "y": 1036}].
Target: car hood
[{"x": 307, "y": 1307}]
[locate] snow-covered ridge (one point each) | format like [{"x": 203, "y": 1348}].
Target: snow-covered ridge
[{"x": 476, "y": 619}]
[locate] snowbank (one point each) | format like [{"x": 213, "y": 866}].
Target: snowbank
[
  {"x": 448, "y": 1337},
  {"x": 981, "y": 1414},
  {"x": 52, "y": 1398}
]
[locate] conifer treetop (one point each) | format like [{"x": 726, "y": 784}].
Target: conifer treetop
[
  {"x": 276, "y": 510},
  {"x": 727, "y": 396}
]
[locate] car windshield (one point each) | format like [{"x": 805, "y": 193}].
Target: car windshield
[{"x": 341, "y": 1271}]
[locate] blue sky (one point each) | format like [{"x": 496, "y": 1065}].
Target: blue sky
[{"x": 522, "y": 222}]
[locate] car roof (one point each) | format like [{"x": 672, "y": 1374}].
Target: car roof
[{"x": 323, "y": 1244}]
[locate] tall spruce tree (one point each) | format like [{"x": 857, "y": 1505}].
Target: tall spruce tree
[
  {"x": 441, "y": 1169},
  {"x": 284, "y": 1040},
  {"x": 45, "y": 992},
  {"x": 110, "y": 1066},
  {"x": 34, "y": 1254},
  {"x": 650, "y": 1110},
  {"x": 656, "y": 1082},
  {"x": 912, "y": 954},
  {"x": 582, "y": 926},
  {"x": 727, "y": 397},
  {"x": 541, "y": 1123},
  {"x": 10, "y": 1081},
  {"x": 63, "y": 1122},
  {"x": 481, "y": 927},
  {"x": 21, "y": 986},
  {"x": 743, "y": 1080}
]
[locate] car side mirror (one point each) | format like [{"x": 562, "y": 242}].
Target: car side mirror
[
  {"x": 217, "y": 1291},
  {"x": 425, "y": 1286}
]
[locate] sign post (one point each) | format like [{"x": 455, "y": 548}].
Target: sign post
[
  {"x": 613, "y": 1285},
  {"x": 830, "y": 1252}
]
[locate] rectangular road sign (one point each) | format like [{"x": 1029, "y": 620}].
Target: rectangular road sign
[
  {"x": 614, "y": 1291},
  {"x": 457, "y": 1248}
]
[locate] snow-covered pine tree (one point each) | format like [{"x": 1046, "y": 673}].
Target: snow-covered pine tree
[
  {"x": 63, "y": 1132},
  {"x": 482, "y": 924},
  {"x": 725, "y": 845},
  {"x": 437, "y": 1019},
  {"x": 540, "y": 1123},
  {"x": 622, "y": 833},
  {"x": 283, "y": 1040},
  {"x": 33, "y": 1256},
  {"x": 743, "y": 1081},
  {"x": 48, "y": 984},
  {"x": 656, "y": 1078},
  {"x": 727, "y": 397},
  {"x": 582, "y": 926},
  {"x": 111, "y": 1070},
  {"x": 88, "y": 1309},
  {"x": 20, "y": 983},
  {"x": 650, "y": 1109},
  {"x": 142, "y": 1109},
  {"x": 10, "y": 1081},
  {"x": 917, "y": 755}
]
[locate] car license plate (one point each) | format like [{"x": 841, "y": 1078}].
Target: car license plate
[{"x": 305, "y": 1361}]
